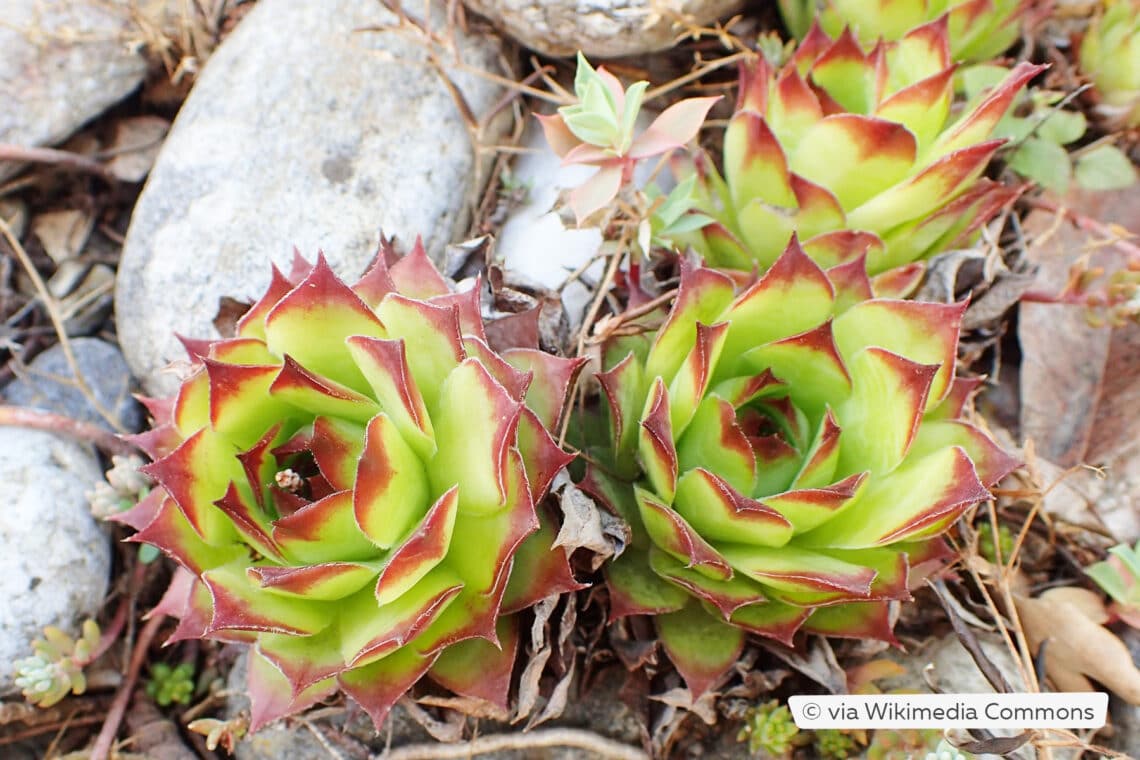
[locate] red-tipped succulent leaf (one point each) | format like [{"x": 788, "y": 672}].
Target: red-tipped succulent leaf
[
  {"x": 785, "y": 455},
  {"x": 350, "y": 484}
]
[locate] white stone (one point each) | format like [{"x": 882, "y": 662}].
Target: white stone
[
  {"x": 54, "y": 558},
  {"x": 534, "y": 244},
  {"x": 301, "y": 130},
  {"x": 600, "y": 28},
  {"x": 63, "y": 62}
]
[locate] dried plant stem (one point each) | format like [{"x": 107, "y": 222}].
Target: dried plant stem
[
  {"x": 57, "y": 322},
  {"x": 22, "y": 154},
  {"x": 101, "y": 750},
  {"x": 597, "y": 746},
  {"x": 19, "y": 416},
  {"x": 696, "y": 74},
  {"x": 43, "y": 728},
  {"x": 1113, "y": 234}
]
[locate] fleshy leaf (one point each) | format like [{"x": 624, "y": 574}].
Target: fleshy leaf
[
  {"x": 881, "y": 416},
  {"x": 421, "y": 551},
  {"x": 476, "y": 428},
  {"x": 918, "y": 500},
  {"x": 719, "y": 512},
  {"x": 391, "y": 486},
  {"x": 636, "y": 590},
  {"x": 477, "y": 668},
  {"x": 272, "y": 697},
  {"x": 702, "y": 648},
  {"x": 384, "y": 364},
  {"x": 673, "y": 535},
  {"x": 323, "y": 305},
  {"x": 377, "y": 686}
]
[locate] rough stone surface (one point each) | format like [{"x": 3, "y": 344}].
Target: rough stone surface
[
  {"x": 282, "y": 740},
  {"x": 954, "y": 669},
  {"x": 300, "y": 131},
  {"x": 599, "y": 28},
  {"x": 103, "y": 367},
  {"x": 55, "y": 558},
  {"x": 600, "y": 709},
  {"x": 63, "y": 62}
]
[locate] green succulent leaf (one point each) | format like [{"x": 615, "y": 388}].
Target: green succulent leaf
[
  {"x": 347, "y": 484},
  {"x": 871, "y": 147},
  {"x": 796, "y": 452}
]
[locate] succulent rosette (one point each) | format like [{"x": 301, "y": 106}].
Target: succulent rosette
[
  {"x": 350, "y": 485},
  {"x": 977, "y": 30},
  {"x": 785, "y": 454},
  {"x": 1110, "y": 55},
  {"x": 853, "y": 151}
]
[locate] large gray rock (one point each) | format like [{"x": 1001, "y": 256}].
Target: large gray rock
[
  {"x": 599, "y": 28},
  {"x": 301, "y": 130},
  {"x": 62, "y": 62},
  {"x": 49, "y": 384},
  {"x": 54, "y": 558}
]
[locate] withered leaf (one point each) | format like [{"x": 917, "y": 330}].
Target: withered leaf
[{"x": 1079, "y": 647}]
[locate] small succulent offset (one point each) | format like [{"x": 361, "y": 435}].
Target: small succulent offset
[
  {"x": 769, "y": 728},
  {"x": 122, "y": 489},
  {"x": 833, "y": 744},
  {"x": 1110, "y": 56},
  {"x": 598, "y": 130},
  {"x": 169, "y": 685},
  {"x": 853, "y": 151},
  {"x": 350, "y": 485},
  {"x": 785, "y": 456},
  {"x": 978, "y": 30},
  {"x": 1119, "y": 577},
  {"x": 56, "y": 668}
]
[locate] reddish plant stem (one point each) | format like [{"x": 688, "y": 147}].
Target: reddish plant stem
[
  {"x": 45, "y": 728},
  {"x": 114, "y": 629},
  {"x": 1090, "y": 225},
  {"x": 56, "y": 423},
  {"x": 1040, "y": 296},
  {"x": 101, "y": 750}
]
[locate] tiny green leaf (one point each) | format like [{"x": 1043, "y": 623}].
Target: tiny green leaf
[
  {"x": 1105, "y": 168},
  {"x": 1062, "y": 127},
  {"x": 1044, "y": 162}
]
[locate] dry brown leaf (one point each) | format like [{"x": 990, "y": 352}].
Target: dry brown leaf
[
  {"x": 472, "y": 707},
  {"x": 818, "y": 663},
  {"x": 704, "y": 707},
  {"x": 63, "y": 233},
  {"x": 539, "y": 653},
  {"x": 1078, "y": 647},
  {"x": 584, "y": 526},
  {"x": 556, "y": 705},
  {"x": 449, "y": 730},
  {"x": 135, "y": 146},
  {"x": 1080, "y": 385}
]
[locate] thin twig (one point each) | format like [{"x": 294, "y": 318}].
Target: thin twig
[
  {"x": 695, "y": 74},
  {"x": 19, "y": 416},
  {"x": 101, "y": 750},
  {"x": 597, "y": 746},
  {"x": 57, "y": 322},
  {"x": 1114, "y": 234},
  {"x": 23, "y": 154}
]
